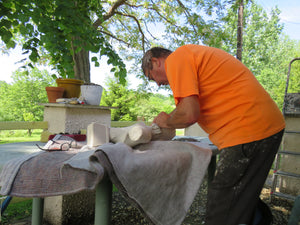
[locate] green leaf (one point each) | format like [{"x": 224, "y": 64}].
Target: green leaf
[
  {"x": 5, "y": 23},
  {"x": 11, "y": 44},
  {"x": 5, "y": 35},
  {"x": 34, "y": 55}
]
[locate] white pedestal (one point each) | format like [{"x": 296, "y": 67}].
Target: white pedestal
[{"x": 68, "y": 118}]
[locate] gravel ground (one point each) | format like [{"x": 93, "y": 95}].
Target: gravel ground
[{"x": 124, "y": 214}]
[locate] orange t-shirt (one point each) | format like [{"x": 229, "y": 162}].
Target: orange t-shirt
[{"x": 234, "y": 107}]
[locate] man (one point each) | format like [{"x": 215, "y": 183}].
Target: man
[{"x": 217, "y": 91}]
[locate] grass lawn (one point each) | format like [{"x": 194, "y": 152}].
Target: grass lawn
[
  {"x": 19, "y": 208},
  {"x": 12, "y": 136},
  {"x": 180, "y": 132}
]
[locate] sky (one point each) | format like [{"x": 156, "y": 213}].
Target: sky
[{"x": 290, "y": 17}]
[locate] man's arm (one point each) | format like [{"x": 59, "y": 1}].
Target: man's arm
[{"x": 187, "y": 112}]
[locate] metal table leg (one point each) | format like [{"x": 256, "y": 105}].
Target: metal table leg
[
  {"x": 37, "y": 211},
  {"x": 103, "y": 202}
]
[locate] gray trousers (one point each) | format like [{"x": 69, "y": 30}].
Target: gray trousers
[{"x": 240, "y": 175}]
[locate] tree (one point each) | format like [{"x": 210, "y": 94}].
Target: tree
[
  {"x": 133, "y": 105},
  {"x": 119, "y": 96},
  {"x": 68, "y": 30},
  {"x": 20, "y": 100},
  {"x": 148, "y": 108},
  {"x": 3, "y": 89},
  {"x": 64, "y": 29}
]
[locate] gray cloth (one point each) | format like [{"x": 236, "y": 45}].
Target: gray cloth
[
  {"x": 9, "y": 172},
  {"x": 161, "y": 178},
  {"x": 45, "y": 175},
  {"x": 158, "y": 175}
]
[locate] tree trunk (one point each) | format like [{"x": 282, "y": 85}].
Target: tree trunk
[
  {"x": 239, "y": 48},
  {"x": 81, "y": 59},
  {"x": 81, "y": 64}
]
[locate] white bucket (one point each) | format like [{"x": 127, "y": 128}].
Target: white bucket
[{"x": 91, "y": 93}]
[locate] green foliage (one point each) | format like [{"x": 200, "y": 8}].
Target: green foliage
[
  {"x": 261, "y": 33},
  {"x": 133, "y": 105},
  {"x": 60, "y": 28},
  {"x": 20, "y": 100},
  {"x": 148, "y": 108},
  {"x": 119, "y": 96}
]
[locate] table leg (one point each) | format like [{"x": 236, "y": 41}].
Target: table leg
[
  {"x": 37, "y": 211},
  {"x": 103, "y": 202}
]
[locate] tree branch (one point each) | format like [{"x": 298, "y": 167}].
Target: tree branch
[
  {"x": 114, "y": 37},
  {"x": 110, "y": 13},
  {"x": 147, "y": 29},
  {"x": 187, "y": 14},
  {"x": 134, "y": 6},
  {"x": 159, "y": 13},
  {"x": 138, "y": 24}
]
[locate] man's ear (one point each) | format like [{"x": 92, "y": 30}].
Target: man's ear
[{"x": 156, "y": 61}]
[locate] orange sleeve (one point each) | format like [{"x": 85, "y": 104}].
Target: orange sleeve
[{"x": 182, "y": 74}]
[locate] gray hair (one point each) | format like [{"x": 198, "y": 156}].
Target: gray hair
[{"x": 156, "y": 52}]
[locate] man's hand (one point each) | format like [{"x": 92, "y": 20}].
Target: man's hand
[
  {"x": 161, "y": 120},
  {"x": 187, "y": 112}
]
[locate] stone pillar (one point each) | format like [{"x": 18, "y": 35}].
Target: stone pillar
[{"x": 72, "y": 118}]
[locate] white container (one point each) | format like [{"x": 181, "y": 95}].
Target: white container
[{"x": 91, "y": 93}]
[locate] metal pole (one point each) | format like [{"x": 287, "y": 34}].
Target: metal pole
[
  {"x": 103, "y": 202},
  {"x": 287, "y": 84},
  {"x": 37, "y": 211}
]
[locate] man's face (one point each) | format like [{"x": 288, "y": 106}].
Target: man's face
[{"x": 158, "y": 73}]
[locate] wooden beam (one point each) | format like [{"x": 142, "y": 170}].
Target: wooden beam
[{"x": 23, "y": 125}]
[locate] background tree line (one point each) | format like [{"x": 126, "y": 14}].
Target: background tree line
[{"x": 131, "y": 27}]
